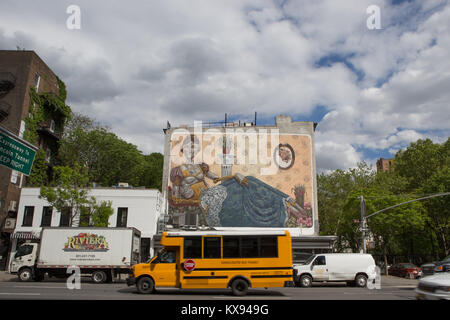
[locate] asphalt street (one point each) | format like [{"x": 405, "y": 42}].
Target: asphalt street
[{"x": 392, "y": 288}]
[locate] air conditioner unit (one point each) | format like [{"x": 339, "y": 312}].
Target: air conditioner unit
[
  {"x": 12, "y": 205},
  {"x": 10, "y": 223}
]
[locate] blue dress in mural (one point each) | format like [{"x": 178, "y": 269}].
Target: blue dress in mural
[{"x": 250, "y": 204}]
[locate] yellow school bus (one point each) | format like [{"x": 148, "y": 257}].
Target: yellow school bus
[{"x": 219, "y": 260}]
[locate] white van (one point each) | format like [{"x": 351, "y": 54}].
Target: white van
[{"x": 353, "y": 268}]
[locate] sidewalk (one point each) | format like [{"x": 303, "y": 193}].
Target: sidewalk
[{"x": 5, "y": 276}]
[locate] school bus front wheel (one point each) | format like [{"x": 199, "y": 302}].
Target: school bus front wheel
[{"x": 145, "y": 285}]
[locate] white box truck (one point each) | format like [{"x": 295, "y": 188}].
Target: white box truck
[
  {"x": 99, "y": 252},
  {"x": 353, "y": 268}
]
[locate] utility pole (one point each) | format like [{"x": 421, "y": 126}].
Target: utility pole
[{"x": 363, "y": 223}]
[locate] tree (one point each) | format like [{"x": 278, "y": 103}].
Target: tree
[
  {"x": 439, "y": 208},
  {"x": 420, "y": 160},
  {"x": 107, "y": 158},
  {"x": 69, "y": 195},
  {"x": 333, "y": 190},
  {"x": 152, "y": 171}
]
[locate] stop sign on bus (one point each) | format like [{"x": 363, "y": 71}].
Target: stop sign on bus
[{"x": 189, "y": 265}]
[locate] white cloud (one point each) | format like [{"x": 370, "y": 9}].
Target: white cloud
[{"x": 137, "y": 66}]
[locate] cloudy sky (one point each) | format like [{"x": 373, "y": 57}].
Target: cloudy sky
[{"x": 134, "y": 65}]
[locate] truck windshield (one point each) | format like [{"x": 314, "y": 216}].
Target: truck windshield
[{"x": 23, "y": 251}]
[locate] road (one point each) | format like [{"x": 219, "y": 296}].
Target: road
[{"x": 57, "y": 289}]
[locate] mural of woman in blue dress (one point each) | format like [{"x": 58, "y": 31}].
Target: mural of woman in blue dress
[{"x": 246, "y": 202}]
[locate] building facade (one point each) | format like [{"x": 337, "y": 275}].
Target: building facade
[
  {"x": 245, "y": 176},
  {"x": 24, "y": 77},
  {"x": 132, "y": 207},
  {"x": 385, "y": 164}
]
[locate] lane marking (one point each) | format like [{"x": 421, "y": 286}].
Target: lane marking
[
  {"x": 20, "y": 294},
  {"x": 40, "y": 287}
]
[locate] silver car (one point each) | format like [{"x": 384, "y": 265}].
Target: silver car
[{"x": 435, "y": 287}]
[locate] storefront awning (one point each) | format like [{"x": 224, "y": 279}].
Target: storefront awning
[{"x": 24, "y": 235}]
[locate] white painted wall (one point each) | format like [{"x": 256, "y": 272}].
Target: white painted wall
[{"x": 143, "y": 205}]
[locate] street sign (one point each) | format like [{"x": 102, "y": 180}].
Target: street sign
[{"x": 16, "y": 153}]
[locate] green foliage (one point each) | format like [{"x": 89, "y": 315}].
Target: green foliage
[
  {"x": 152, "y": 172},
  {"x": 96, "y": 214},
  {"x": 44, "y": 106},
  {"x": 107, "y": 158},
  {"x": 415, "y": 228},
  {"x": 70, "y": 190},
  {"x": 419, "y": 162},
  {"x": 39, "y": 175},
  {"x": 333, "y": 189}
]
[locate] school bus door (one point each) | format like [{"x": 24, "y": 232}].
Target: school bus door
[{"x": 164, "y": 268}]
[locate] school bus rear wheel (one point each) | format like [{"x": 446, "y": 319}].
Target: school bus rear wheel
[
  {"x": 239, "y": 287},
  {"x": 145, "y": 285}
]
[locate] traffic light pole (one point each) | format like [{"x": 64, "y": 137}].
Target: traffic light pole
[
  {"x": 363, "y": 223},
  {"x": 364, "y": 217}
]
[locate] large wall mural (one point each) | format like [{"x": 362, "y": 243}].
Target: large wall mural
[{"x": 233, "y": 192}]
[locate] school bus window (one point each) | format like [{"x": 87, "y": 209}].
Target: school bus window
[
  {"x": 192, "y": 247},
  {"x": 249, "y": 247},
  {"x": 211, "y": 246},
  {"x": 269, "y": 247},
  {"x": 231, "y": 247},
  {"x": 168, "y": 256}
]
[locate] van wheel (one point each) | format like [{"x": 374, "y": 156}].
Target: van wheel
[
  {"x": 99, "y": 276},
  {"x": 25, "y": 275},
  {"x": 305, "y": 281},
  {"x": 145, "y": 285},
  {"x": 361, "y": 280},
  {"x": 239, "y": 287}
]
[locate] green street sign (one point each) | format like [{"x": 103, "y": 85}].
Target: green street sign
[{"x": 15, "y": 154}]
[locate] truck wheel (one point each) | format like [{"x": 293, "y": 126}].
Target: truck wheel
[
  {"x": 305, "y": 281},
  {"x": 239, "y": 287},
  {"x": 145, "y": 285},
  {"x": 99, "y": 276},
  {"x": 25, "y": 275},
  {"x": 361, "y": 280}
]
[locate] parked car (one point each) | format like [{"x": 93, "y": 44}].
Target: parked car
[
  {"x": 405, "y": 270},
  {"x": 436, "y": 266},
  {"x": 434, "y": 287}
]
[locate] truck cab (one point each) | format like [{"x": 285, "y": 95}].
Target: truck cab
[{"x": 24, "y": 260}]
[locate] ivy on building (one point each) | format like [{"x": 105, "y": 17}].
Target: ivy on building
[{"x": 43, "y": 107}]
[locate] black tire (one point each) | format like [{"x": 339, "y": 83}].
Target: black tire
[
  {"x": 239, "y": 287},
  {"x": 361, "y": 281},
  {"x": 99, "y": 277},
  {"x": 305, "y": 281},
  {"x": 145, "y": 285},
  {"x": 25, "y": 275}
]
